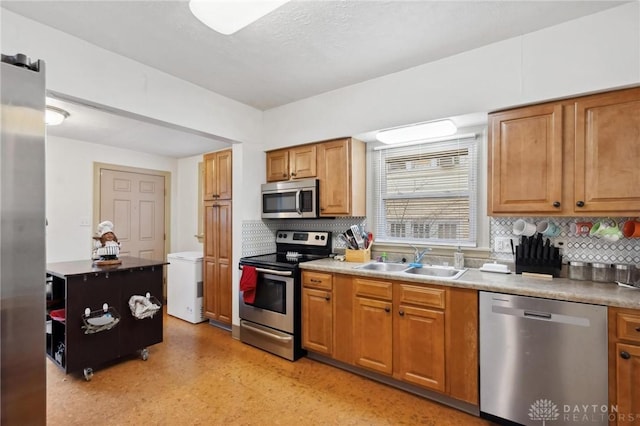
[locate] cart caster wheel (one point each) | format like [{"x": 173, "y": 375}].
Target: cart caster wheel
[
  {"x": 88, "y": 374},
  {"x": 144, "y": 354}
]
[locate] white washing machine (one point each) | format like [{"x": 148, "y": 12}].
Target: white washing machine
[{"x": 184, "y": 286}]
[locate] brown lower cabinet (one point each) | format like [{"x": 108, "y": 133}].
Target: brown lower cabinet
[
  {"x": 423, "y": 335},
  {"x": 624, "y": 365},
  {"x": 217, "y": 261}
]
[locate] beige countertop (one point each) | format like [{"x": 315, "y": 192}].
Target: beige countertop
[{"x": 558, "y": 288}]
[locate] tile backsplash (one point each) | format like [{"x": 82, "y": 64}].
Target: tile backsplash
[
  {"x": 259, "y": 236},
  {"x": 579, "y": 248}
]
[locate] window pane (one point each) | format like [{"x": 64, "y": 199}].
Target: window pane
[{"x": 427, "y": 193}]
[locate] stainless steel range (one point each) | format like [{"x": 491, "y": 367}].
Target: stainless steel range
[{"x": 272, "y": 322}]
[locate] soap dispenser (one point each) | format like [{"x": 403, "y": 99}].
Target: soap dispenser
[{"x": 458, "y": 259}]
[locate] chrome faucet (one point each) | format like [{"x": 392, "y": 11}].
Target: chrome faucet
[{"x": 419, "y": 254}]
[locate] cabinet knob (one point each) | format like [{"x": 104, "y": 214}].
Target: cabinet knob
[
  {"x": 625, "y": 355},
  {"x": 556, "y": 204},
  {"x": 638, "y": 329},
  {"x": 580, "y": 204},
  {"x": 401, "y": 312},
  {"x": 293, "y": 174},
  {"x": 327, "y": 298},
  {"x": 284, "y": 175},
  {"x": 387, "y": 309}
]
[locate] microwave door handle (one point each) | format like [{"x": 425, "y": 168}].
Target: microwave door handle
[
  {"x": 270, "y": 271},
  {"x": 298, "y": 192}
]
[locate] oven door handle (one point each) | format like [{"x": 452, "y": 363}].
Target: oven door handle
[
  {"x": 270, "y": 271},
  {"x": 267, "y": 334}
]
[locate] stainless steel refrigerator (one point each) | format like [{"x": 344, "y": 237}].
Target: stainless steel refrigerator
[{"x": 22, "y": 242}]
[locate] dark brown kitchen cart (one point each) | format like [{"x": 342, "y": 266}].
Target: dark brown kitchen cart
[{"x": 79, "y": 291}]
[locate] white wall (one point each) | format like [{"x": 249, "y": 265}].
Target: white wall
[
  {"x": 186, "y": 206},
  {"x": 592, "y": 53},
  {"x": 69, "y": 192}
]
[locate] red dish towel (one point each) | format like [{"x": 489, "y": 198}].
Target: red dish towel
[{"x": 248, "y": 283}]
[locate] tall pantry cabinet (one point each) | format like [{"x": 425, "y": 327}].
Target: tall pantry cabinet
[{"x": 217, "y": 236}]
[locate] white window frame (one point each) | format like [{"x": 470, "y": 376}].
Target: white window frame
[{"x": 467, "y": 142}]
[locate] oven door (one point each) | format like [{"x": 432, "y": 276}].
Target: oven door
[{"x": 273, "y": 304}]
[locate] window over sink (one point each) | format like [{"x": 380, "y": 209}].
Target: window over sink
[{"x": 426, "y": 192}]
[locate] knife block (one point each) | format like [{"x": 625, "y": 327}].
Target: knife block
[{"x": 552, "y": 267}]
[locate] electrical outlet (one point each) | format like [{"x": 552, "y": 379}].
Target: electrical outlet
[{"x": 503, "y": 244}]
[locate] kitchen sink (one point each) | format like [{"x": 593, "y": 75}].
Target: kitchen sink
[
  {"x": 383, "y": 267},
  {"x": 446, "y": 272}
]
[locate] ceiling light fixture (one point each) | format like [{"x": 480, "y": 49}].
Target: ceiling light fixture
[
  {"x": 432, "y": 129},
  {"x": 54, "y": 115},
  {"x": 227, "y": 17}
]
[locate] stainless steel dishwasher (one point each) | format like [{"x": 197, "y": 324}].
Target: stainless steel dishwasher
[{"x": 542, "y": 361}]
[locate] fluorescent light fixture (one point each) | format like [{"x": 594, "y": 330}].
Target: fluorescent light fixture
[
  {"x": 227, "y": 17},
  {"x": 54, "y": 116},
  {"x": 432, "y": 129}
]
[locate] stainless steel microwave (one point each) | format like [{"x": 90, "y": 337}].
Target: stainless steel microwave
[{"x": 294, "y": 199}]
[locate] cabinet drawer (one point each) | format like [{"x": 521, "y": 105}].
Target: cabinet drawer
[
  {"x": 317, "y": 280},
  {"x": 628, "y": 326},
  {"x": 423, "y": 296},
  {"x": 376, "y": 289}
]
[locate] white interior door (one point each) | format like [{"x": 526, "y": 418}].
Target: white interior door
[{"x": 134, "y": 202}]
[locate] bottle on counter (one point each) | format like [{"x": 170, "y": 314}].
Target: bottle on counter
[{"x": 458, "y": 259}]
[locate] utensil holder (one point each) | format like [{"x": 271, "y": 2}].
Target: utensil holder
[{"x": 357, "y": 255}]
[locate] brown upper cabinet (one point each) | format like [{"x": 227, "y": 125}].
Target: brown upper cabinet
[
  {"x": 339, "y": 165},
  {"x": 293, "y": 163},
  {"x": 342, "y": 175},
  {"x": 573, "y": 157},
  {"x": 217, "y": 176}
]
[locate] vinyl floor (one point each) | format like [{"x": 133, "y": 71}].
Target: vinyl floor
[{"x": 200, "y": 375}]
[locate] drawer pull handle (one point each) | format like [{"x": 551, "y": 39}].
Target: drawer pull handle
[
  {"x": 315, "y": 281},
  {"x": 625, "y": 355}
]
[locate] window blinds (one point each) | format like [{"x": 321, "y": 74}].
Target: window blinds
[{"x": 427, "y": 193}]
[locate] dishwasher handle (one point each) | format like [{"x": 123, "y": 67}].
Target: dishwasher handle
[{"x": 540, "y": 315}]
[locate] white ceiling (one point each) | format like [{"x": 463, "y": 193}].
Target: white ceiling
[{"x": 302, "y": 49}]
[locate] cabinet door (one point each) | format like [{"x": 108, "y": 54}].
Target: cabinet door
[
  {"x": 608, "y": 153},
  {"x": 223, "y": 261},
  {"x": 372, "y": 326},
  {"x": 317, "y": 320},
  {"x": 217, "y": 261},
  {"x": 334, "y": 173},
  {"x": 224, "y": 178},
  {"x": 217, "y": 175},
  {"x": 419, "y": 345},
  {"x": 525, "y": 160},
  {"x": 210, "y": 171},
  {"x": 302, "y": 162},
  {"x": 210, "y": 289},
  {"x": 627, "y": 379},
  {"x": 277, "y": 165}
]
